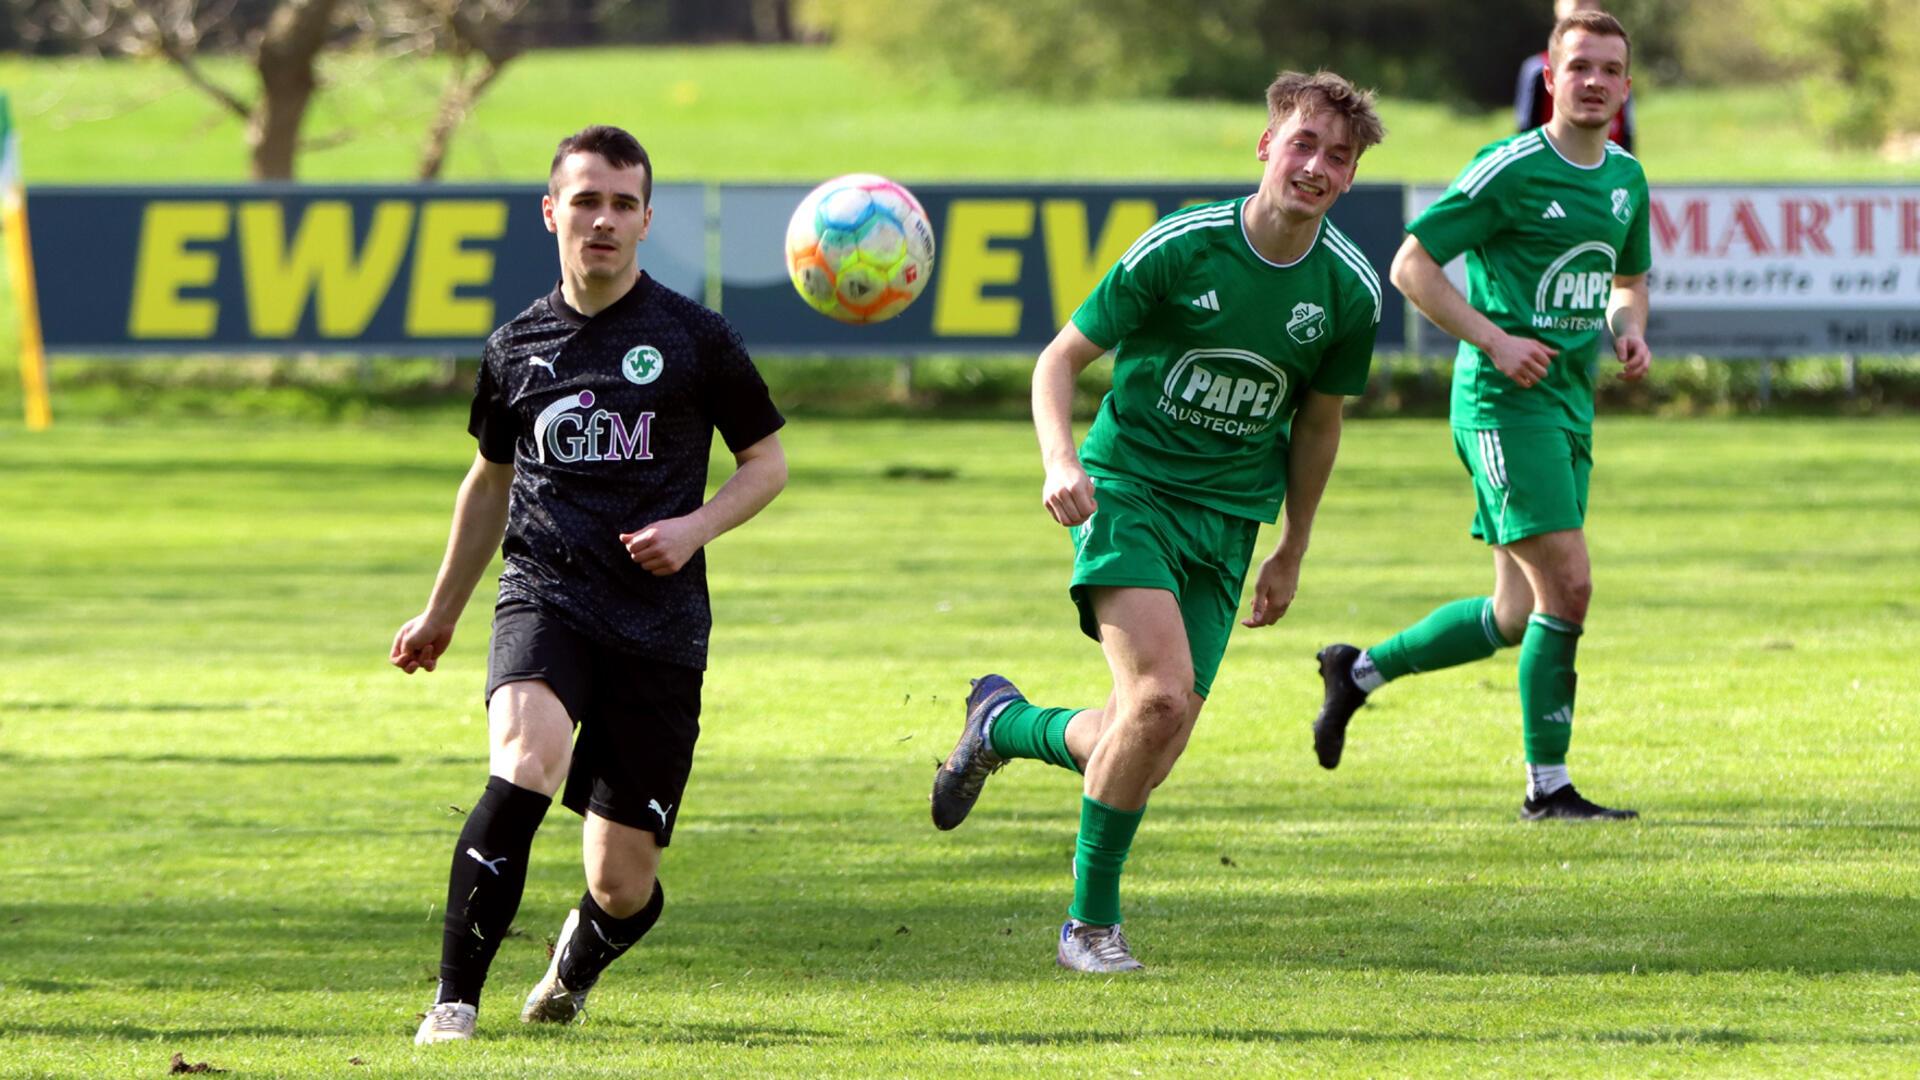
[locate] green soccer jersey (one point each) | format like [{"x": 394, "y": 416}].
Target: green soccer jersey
[
  {"x": 1543, "y": 239},
  {"x": 1214, "y": 346}
]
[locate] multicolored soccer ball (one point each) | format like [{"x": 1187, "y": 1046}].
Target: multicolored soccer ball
[{"x": 859, "y": 248}]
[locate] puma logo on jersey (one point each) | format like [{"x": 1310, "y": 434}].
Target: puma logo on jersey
[
  {"x": 654, "y": 805},
  {"x": 1210, "y": 301},
  {"x": 1554, "y": 210},
  {"x": 535, "y": 361},
  {"x": 491, "y": 864}
]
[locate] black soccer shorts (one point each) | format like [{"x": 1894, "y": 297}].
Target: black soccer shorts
[{"x": 637, "y": 718}]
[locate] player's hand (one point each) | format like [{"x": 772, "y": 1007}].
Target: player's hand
[
  {"x": 1273, "y": 590},
  {"x": 1068, "y": 494},
  {"x": 1634, "y": 356},
  {"x": 1523, "y": 360},
  {"x": 420, "y": 644},
  {"x": 663, "y": 547}
]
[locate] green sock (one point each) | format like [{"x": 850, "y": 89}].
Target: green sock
[
  {"x": 1025, "y": 730},
  {"x": 1546, "y": 688},
  {"x": 1106, "y": 835},
  {"x": 1456, "y": 633}
]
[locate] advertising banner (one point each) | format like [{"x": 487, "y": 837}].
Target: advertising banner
[
  {"x": 1013, "y": 262},
  {"x": 1771, "y": 270},
  {"x": 409, "y": 269}
]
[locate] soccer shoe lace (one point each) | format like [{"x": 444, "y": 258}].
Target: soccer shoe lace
[
  {"x": 1099, "y": 949},
  {"x": 448, "y": 1021}
]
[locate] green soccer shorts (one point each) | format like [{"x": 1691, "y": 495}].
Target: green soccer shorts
[
  {"x": 1147, "y": 539},
  {"x": 1526, "y": 481}
]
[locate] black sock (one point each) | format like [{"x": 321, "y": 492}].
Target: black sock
[
  {"x": 483, "y": 890},
  {"x": 599, "y": 939}
]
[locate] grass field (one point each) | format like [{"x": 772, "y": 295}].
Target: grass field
[
  {"x": 226, "y": 822},
  {"x": 804, "y": 113}
]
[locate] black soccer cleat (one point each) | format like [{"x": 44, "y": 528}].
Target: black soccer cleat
[
  {"x": 957, "y": 782},
  {"x": 1342, "y": 700},
  {"x": 1566, "y": 804}
]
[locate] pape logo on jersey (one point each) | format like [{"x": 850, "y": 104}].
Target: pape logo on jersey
[
  {"x": 567, "y": 436},
  {"x": 1231, "y": 391},
  {"x": 642, "y": 364},
  {"x": 1308, "y": 323},
  {"x": 1574, "y": 290},
  {"x": 1622, "y": 205}
]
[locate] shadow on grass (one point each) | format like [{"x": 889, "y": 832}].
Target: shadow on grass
[{"x": 849, "y": 935}]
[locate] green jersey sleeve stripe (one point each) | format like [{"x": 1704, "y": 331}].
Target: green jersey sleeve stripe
[
  {"x": 1474, "y": 170},
  {"x": 1343, "y": 247},
  {"x": 1486, "y": 177},
  {"x": 1133, "y": 260},
  {"x": 1174, "y": 220}
]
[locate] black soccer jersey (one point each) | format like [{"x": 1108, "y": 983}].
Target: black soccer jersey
[{"x": 608, "y": 422}]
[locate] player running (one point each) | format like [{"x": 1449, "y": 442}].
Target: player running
[
  {"x": 594, "y": 412},
  {"x": 1553, "y": 223},
  {"x": 1237, "y": 326}
]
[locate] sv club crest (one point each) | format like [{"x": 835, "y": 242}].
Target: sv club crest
[
  {"x": 1308, "y": 323},
  {"x": 1622, "y": 205}
]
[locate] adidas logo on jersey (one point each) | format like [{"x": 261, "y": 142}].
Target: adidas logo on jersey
[
  {"x": 1554, "y": 211},
  {"x": 1208, "y": 302}
]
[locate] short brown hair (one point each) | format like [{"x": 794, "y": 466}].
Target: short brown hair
[
  {"x": 1593, "y": 22},
  {"x": 621, "y": 150},
  {"x": 1292, "y": 91}
]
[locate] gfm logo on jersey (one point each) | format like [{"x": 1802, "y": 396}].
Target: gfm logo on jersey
[
  {"x": 567, "y": 435},
  {"x": 1232, "y": 391},
  {"x": 1574, "y": 287},
  {"x": 1308, "y": 323}
]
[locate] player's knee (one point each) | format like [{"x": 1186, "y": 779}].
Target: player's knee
[
  {"x": 1575, "y": 594},
  {"x": 1161, "y": 715},
  {"x": 621, "y": 893}
]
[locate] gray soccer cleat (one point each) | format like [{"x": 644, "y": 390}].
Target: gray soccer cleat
[
  {"x": 551, "y": 1002},
  {"x": 958, "y": 780},
  {"x": 1100, "y": 949},
  {"x": 449, "y": 1021}
]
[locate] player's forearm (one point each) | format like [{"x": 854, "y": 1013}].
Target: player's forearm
[
  {"x": 1627, "y": 308},
  {"x": 1425, "y": 285},
  {"x": 753, "y": 485},
  {"x": 1315, "y": 444},
  {"x": 1053, "y": 407},
  {"x": 479, "y": 521}
]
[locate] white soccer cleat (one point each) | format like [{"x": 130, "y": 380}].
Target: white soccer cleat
[
  {"x": 449, "y": 1021},
  {"x": 1099, "y": 949},
  {"x": 551, "y": 1002}
]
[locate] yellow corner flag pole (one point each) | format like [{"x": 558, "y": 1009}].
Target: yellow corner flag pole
[{"x": 26, "y": 301}]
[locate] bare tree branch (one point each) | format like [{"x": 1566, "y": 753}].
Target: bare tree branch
[{"x": 467, "y": 28}]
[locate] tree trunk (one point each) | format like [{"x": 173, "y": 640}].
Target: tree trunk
[{"x": 285, "y": 60}]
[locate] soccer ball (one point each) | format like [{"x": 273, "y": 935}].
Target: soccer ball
[{"x": 859, "y": 248}]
